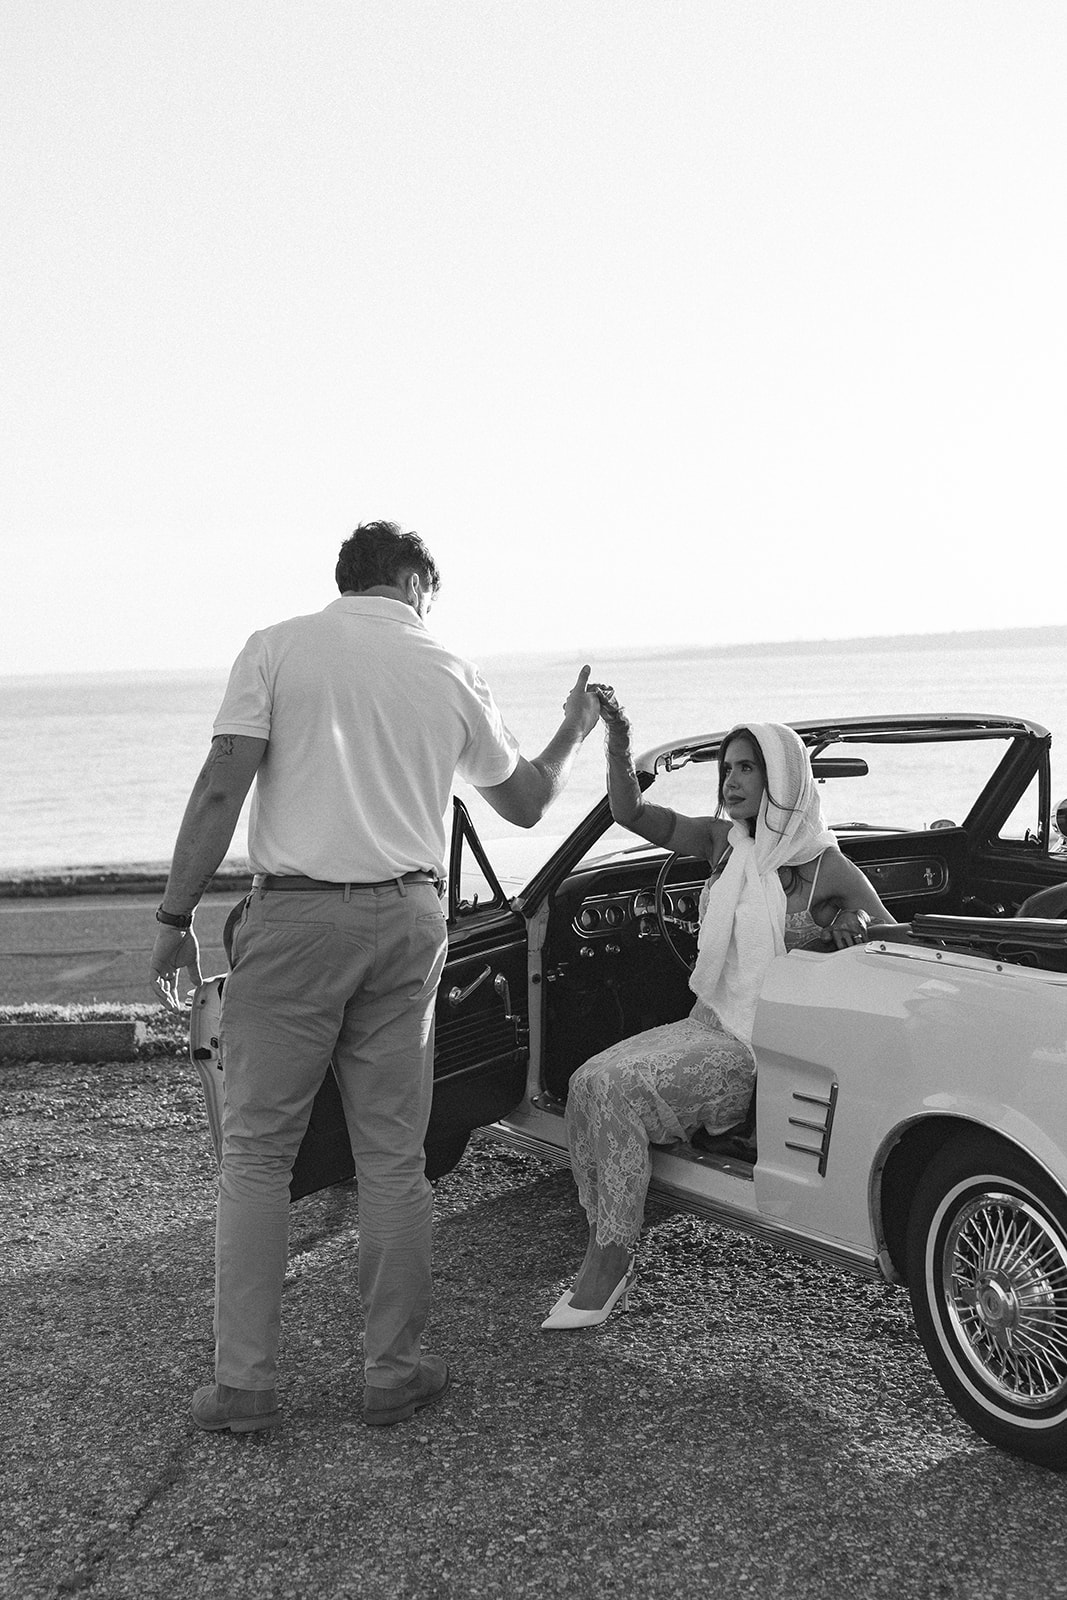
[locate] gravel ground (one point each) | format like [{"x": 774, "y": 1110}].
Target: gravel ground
[{"x": 755, "y": 1423}]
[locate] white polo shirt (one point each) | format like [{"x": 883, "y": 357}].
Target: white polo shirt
[{"x": 368, "y": 719}]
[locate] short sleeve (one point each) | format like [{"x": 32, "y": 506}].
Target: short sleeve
[
  {"x": 246, "y": 705},
  {"x": 492, "y": 751}
]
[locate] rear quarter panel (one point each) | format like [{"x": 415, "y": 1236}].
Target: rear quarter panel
[{"x": 898, "y": 1034}]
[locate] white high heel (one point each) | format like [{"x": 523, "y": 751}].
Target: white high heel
[{"x": 564, "y": 1315}]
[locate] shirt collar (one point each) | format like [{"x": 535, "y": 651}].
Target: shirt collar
[{"x": 377, "y": 605}]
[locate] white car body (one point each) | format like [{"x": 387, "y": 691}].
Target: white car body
[{"x": 852, "y": 1052}]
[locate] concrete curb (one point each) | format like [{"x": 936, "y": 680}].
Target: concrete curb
[{"x": 71, "y": 1041}]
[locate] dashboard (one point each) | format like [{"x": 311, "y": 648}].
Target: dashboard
[
  {"x": 600, "y": 915},
  {"x": 616, "y": 903}
]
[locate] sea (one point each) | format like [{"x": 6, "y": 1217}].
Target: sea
[{"x": 97, "y": 767}]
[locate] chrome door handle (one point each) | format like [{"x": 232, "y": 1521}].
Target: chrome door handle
[
  {"x": 500, "y": 984},
  {"x": 456, "y": 995}
]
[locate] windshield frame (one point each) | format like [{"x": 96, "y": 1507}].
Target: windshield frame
[{"x": 1026, "y": 753}]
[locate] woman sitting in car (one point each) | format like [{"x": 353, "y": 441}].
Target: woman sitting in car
[{"x": 778, "y": 882}]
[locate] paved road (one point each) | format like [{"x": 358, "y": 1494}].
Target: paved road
[{"x": 92, "y": 947}]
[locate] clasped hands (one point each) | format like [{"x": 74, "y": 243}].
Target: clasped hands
[
  {"x": 609, "y": 709},
  {"x": 588, "y": 702}
]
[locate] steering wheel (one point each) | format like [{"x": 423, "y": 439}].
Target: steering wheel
[{"x": 674, "y": 929}]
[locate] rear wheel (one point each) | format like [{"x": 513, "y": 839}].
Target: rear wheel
[{"x": 987, "y": 1275}]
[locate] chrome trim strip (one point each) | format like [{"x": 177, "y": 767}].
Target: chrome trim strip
[
  {"x": 957, "y": 958},
  {"x": 920, "y": 1119},
  {"x": 881, "y": 875},
  {"x": 529, "y": 1146},
  {"x": 863, "y": 1264},
  {"x": 536, "y": 931}
]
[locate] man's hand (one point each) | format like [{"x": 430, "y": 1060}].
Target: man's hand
[
  {"x": 582, "y": 705},
  {"x": 174, "y": 949},
  {"x": 525, "y": 797},
  {"x": 207, "y": 828}
]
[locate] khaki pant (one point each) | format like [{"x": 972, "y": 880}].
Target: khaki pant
[{"x": 319, "y": 973}]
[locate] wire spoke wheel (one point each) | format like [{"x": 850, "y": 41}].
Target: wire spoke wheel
[
  {"x": 987, "y": 1275},
  {"x": 1004, "y": 1274}
]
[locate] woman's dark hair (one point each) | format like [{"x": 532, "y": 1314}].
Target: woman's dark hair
[{"x": 377, "y": 553}]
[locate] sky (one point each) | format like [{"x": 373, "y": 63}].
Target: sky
[{"x": 664, "y": 322}]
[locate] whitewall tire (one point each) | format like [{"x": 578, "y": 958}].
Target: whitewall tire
[{"x": 987, "y": 1274}]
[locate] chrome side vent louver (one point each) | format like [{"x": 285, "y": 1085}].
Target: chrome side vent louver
[{"x": 822, "y": 1107}]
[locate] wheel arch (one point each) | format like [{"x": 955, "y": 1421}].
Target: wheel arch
[{"x": 901, "y": 1162}]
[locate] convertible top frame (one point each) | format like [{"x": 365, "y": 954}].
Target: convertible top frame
[{"x": 1030, "y": 743}]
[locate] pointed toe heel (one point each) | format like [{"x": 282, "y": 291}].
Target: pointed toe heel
[
  {"x": 561, "y": 1307},
  {"x": 564, "y": 1315}
]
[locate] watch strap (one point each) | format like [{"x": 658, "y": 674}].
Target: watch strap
[{"x": 174, "y": 919}]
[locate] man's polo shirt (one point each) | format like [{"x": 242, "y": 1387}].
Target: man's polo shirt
[{"x": 368, "y": 719}]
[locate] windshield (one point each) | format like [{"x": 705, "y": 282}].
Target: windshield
[{"x": 907, "y": 788}]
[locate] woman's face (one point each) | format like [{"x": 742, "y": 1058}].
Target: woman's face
[{"x": 742, "y": 781}]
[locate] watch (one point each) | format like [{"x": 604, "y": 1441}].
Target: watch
[{"x": 174, "y": 919}]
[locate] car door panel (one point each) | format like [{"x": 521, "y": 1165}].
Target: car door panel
[
  {"x": 481, "y": 1033},
  {"x": 1006, "y": 874},
  {"x": 480, "y": 1058}
]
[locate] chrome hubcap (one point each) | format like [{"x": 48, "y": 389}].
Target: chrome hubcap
[{"x": 1005, "y": 1284}]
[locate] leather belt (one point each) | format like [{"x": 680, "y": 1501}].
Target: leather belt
[{"x": 269, "y": 880}]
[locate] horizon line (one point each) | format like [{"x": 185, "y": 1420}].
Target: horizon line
[{"x": 962, "y": 638}]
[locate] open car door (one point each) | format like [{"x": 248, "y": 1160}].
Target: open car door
[{"x": 480, "y": 1039}]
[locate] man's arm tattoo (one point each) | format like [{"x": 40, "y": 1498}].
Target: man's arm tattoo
[{"x": 222, "y": 748}]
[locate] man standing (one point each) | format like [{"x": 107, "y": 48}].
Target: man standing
[{"x": 353, "y": 721}]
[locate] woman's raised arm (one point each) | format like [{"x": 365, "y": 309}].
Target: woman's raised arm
[{"x": 690, "y": 836}]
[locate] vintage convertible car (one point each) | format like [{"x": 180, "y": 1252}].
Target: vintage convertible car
[{"x": 910, "y": 1117}]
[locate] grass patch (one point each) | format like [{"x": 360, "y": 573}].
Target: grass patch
[{"x": 167, "y": 1032}]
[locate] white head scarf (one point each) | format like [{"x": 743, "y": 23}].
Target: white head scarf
[{"x": 743, "y": 926}]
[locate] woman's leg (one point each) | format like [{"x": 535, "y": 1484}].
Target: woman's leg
[
  {"x": 653, "y": 1088},
  {"x": 603, "y": 1266}
]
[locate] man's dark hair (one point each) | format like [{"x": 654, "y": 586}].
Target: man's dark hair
[{"x": 378, "y": 552}]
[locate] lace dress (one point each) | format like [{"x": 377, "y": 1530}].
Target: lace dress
[{"x": 656, "y": 1088}]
